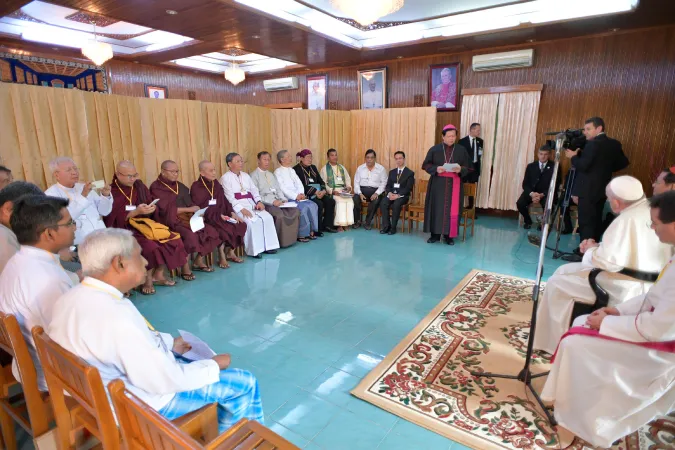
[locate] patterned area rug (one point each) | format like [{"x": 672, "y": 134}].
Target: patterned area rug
[{"x": 482, "y": 325}]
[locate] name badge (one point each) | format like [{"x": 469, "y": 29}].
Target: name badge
[
  {"x": 480, "y": 152},
  {"x": 244, "y": 191},
  {"x": 311, "y": 180},
  {"x": 338, "y": 178},
  {"x": 397, "y": 185},
  {"x": 130, "y": 208},
  {"x": 212, "y": 202},
  {"x": 273, "y": 191}
]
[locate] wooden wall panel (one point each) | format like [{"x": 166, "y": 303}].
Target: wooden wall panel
[{"x": 628, "y": 79}]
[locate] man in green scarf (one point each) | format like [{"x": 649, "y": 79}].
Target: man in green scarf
[{"x": 339, "y": 185}]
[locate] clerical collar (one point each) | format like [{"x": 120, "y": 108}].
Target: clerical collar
[{"x": 99, "y": 285}]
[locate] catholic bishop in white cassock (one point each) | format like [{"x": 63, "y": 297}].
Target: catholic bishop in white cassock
[
  {"x": 628, "y": 243},
  {"x": 614, "y": 371},
  {"x": 241, "y": 192},
  {"x": 95, "y": 322}
]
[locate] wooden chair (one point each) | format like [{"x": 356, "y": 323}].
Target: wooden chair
[
  {"x": 31, "y": 409},
  {"x": 66, "y": 373},
  {"x": 416, "y": 205},
  {"x": 144, "y": 428},
  {"x": 469, "y": 215},
  {"x": 376, "y": 217}
]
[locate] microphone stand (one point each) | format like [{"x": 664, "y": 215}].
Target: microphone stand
[{"x": 525, "y": 375}]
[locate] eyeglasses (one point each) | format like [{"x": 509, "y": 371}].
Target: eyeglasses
[
  {"x": 70, "y": 223},
  {"x": 130, "y": 177}
]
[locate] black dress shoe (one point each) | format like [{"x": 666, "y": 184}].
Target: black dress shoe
[
  {"x": 357, "y": 225},
  {"x": 527, "y": 226},
  {"x": 318, "y": 234},
  {"x": 538, "y": 227},
  {"x": 367, "y": 227},
  {"x": 392, "y": 231},
  {"x": 258, "y": 256},
  {"x": 330, "y": 230},
  {"x": 385, "y": 230},
  {"x": 270, "y": 252},
  {"x": 433, "y": 240},
  {"x": 450, "y": 241}
]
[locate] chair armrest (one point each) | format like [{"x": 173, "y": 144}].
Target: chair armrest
[
  {"x": 201, "y": 424},
  {"x": 601, "y": 295}
]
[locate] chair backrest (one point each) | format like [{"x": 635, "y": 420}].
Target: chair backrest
[
  {"x": 144, "y": 428},
  {"x": 470, "y": 189},
  {"x": 66, "y": 372},
  {"x": 13, "y": 342},
  {"x": 421, "y": 191}
]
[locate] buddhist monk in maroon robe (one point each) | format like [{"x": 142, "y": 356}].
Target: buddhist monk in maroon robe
[
  {"x": 131, "y": 199},
  {"x": 175, "y": 209},
  {"x": 207, "y": 191}
]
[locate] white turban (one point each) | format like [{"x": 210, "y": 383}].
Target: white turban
[{"x": 626, "y": 188}]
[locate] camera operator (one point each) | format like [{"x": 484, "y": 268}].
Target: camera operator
[{"x": 594, "y": 165}]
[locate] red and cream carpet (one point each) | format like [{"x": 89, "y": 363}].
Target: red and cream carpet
[{"x": 482, "y": 325}]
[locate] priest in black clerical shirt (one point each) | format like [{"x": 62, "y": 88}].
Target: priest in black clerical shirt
[
  {"x": 536, "y": 183},
  {"x": 399, "y": 188}
]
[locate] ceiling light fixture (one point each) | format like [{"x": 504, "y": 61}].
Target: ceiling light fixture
[
  {"x": 366, "y": 13},
  {"x": 255, "y": 36},
  {"x": 234, "y": 74},
  {"x": 98, "y": 52},
  {"x": 171, "y": 12}
]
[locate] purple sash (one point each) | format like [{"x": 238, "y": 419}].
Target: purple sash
[
  {"x": 666, "y": 346},
  {"x": 240, "y": 196},
  {"x": 454, "y": 204}
]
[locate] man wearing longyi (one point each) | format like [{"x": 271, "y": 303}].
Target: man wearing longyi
[
  {"x": 132, "y": 210},
  {"x": 447, "y": 164}
]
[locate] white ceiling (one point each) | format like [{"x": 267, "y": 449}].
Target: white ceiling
[{"x": 414, "y": 10}]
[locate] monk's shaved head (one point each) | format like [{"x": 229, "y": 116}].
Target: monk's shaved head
[
  {"x": 167, "y": 164},
  {"x": 207, "y": 169},
  {"x": 126, "y": 164},
  {"x": 126, "y": 173}
]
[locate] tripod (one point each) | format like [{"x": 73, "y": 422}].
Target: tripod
[
  {"x": 525, "y": 375},
  {"x": 564, "y": 201}
]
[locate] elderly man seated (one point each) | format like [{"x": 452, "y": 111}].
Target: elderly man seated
[
  {"x": 96, "y": 323},
  {"x": 614, "y": 371},
  {"x": 629, "y": 254}
]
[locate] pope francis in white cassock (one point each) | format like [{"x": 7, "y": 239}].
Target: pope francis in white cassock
[
  {"x": 85, "y": 205},
  {"x": 242, "y": 193},
  {"x": 614, "y": 371},
  {"x": 95, "y": 322},
  {"x": 628, "y": 243}
]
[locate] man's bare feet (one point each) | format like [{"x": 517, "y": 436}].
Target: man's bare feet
[
  {"x": 231, "y": 256},
  {"x": 159, "y": 279}
]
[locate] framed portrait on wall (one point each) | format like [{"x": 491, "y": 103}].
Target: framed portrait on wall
[
  {"x": 373, "y": 88},
  {"x": 153, "y": 91},
  {"x": 317, "y": 92},
  {"x": 444, "y": 86}
]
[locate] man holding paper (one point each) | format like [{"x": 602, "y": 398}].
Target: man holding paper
[
  {"x": 95, "y": 322},
  {"x": 261, "y": 234},
  {"x": 448, "y": 165},
  {"x": 176, "y": 210},
  {"x": 85, "y": 205},
  {"x": 286, "y": 214}
]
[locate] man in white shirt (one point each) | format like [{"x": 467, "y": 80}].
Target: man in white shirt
[
  {"x": 293, "y": 189},
  {"x": 86, "y": 207},
  {"x": 614, "y": 371},
  {"x": 33, "y": 279},
  {"x": 628, "y": 253},
  {"x": 372, "y": 98},
  {"x": 8, "y": 196},
  {"x": 370, "y": 182},
  {"x": 95, "y": 322},
  {"x": 241, "y": 192}
]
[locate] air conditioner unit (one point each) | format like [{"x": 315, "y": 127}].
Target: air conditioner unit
[
  {"x": 281, "y": 84},
  {"x": 505, "y": 60}
]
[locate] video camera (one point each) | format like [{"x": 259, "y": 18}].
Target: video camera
[{"x": 574, "y": 138}]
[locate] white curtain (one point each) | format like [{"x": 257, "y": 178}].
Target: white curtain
[
  {"x": 482, "y": 109},
  {"x": 514, "y": 147}
]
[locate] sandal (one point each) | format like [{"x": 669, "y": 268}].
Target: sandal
[
  {"x": 312, "y": 237},
  {"x": 146, "y": 290},
  {"x": 303, "y": 239},
  {"x": 188, "y": 276},
  {"x": 236, "y": 259},
  {"x": 206, "y": 269},
  {"x": 223, "y": 264},
  {"x": 167, "y": 283}
]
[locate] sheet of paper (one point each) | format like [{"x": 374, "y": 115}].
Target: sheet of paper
[
  {"x": 197, "y": 220},
  {"x": 449, "y": 167},
  {"x": 289, "y": 205},
  {"x": 200, "y": 349},
  {"x": 100, "y": 184}
]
